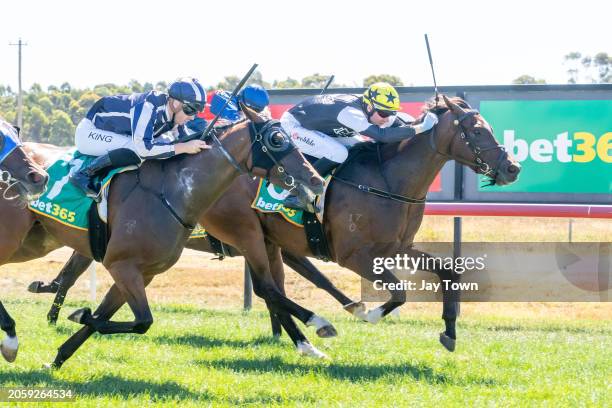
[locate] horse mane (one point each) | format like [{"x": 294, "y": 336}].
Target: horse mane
[{"x": 439, "y": 108}]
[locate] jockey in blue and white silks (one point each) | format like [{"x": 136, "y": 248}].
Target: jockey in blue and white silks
[
  {"x": 9, "y": 139},
  {"x": 126, "y": 129}
]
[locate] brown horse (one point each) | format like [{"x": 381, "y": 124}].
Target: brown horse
[
  {"x": 359, "y": 226},
  {"x": 21, "y": 173},
  {"x": 151, "y": 213}
]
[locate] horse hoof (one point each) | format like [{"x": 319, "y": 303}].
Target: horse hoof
[
  {"x": 327, "y": 331},
  {"x": 52, "y": 320},
  {"x": 447, "y": 342},
  {"x": 375, "y": 316},
  {"x": 357, "y": 309},
  {"x": 304, "y": 348},
  {"x": 324, "y": 328},
  {"x": 80, "y": 315},
  {"x": 9, "y": 348},
  {"x": 49, "y": 366},
  {"x": 34, "y": 287}
]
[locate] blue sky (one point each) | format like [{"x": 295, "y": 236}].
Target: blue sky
[{"x": 473, "y": 42}]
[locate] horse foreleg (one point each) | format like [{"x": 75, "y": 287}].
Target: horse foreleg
[
  {"x": 285, "y": 321},
  {"x": 112, "y": 302},
  {"x": 276, "y": 293},
  {"x": 132, "y": 284},
  {"x": 306, "y": 268},
  {"x": 10, "y": 344},
  {"x": 77, "y": 264},
  {"x": 450, "y": 299}
]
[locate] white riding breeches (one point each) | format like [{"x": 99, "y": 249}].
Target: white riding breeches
[
  {"x": 318, "y": 144},
  {"x": 95, "y": 142}
]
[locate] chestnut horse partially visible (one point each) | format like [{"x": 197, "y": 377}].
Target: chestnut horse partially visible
[
  {"x": 359, "y": 226},
  {"x": 151, "y": 213},
  {"x": 21, "y": 179}
]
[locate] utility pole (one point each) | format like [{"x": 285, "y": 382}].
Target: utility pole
[{"x": 19, "y": 95}]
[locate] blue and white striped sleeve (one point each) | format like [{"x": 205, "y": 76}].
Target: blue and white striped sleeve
[{"x": 143, "y": 119}]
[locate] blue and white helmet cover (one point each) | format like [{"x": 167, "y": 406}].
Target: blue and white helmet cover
[
  {"x": 9, "y": 139},
  {"x": 231, "y": 111}
]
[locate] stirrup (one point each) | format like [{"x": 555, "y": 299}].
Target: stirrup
[
  {"x": 294, "y": 203},
  {"x": 83, "y": 183}
]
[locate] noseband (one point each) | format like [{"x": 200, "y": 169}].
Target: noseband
[{"x": 467, "y": 134}]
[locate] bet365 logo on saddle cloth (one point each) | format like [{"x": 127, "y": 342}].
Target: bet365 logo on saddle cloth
[
  {"x": 62, "y": 201},
  {"x": 269, "y": 199}
]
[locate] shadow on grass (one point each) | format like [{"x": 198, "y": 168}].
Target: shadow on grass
[
  {"x": 112, "y": 386},
  {"x": 346, "y": 372},
  {"x": 212, "y": 342},
  {"x": 107, "y": 385}
]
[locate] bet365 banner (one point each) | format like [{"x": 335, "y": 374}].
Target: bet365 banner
[{"x": 563, "y": 146}]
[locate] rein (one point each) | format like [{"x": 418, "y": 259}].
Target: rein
[
  {"x": 261, "y": 137},
  {"x": 7, "y": 179}
]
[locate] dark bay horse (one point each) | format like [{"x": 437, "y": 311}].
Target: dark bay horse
[
  {"x": 359, "y": 226},
  {"x": 151, "y": 212}
]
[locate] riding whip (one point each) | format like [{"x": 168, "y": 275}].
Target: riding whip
[
  {"x": 432, "y": 68},
  {"x": 327, "y": 84}
]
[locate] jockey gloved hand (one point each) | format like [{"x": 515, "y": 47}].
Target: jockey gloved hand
[
  {"x": 191, "y": 147},
  {"x": 429, "y": 121}
]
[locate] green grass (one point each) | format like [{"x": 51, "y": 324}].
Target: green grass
[{"x": 194, "y": 357}]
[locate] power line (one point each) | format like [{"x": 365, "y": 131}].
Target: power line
[{"x": 19, "y": 94}]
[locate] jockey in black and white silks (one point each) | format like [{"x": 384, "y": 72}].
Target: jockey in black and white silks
[{"x": 325, "y": 126}]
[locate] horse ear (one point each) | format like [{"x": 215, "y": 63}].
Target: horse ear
[
  {"x": 252, "y": 115},
  {"x": 452, "y": 106}
]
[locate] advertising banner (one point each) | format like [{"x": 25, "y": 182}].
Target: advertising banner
[{"x": 564, "y": 146}]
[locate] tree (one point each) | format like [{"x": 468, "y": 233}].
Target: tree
[
  {"x": 35, "y": 124},
  {"x": 597, "y": 69},
  {"x": 65, "y": 87},
  {"x": 286, "y": 84},
  {"x": 45, "y": 104},
  {"x": 228, "y": 83},
  {"x": 527, "y": 79},
  {"x": 62, "y": 129},
  {"x": 135, "y": 86},
  {"x": 391, "y": 79},
  {"x": 314, "y": 81}
]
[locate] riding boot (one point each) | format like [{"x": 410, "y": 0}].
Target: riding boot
[
  {"x": 323, "y": 166},
  {"x": 113, "y": 159}
]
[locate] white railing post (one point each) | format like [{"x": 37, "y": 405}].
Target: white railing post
[{"x": 92, "y": 281}]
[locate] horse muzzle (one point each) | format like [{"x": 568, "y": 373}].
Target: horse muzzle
[{"x": 508, "y": 173}]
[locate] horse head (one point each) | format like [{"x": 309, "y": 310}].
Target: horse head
[
  {"x": 465, "y": 136},
  {"x": 18, "y": 169},
  {"x": 275, "y": 156}
]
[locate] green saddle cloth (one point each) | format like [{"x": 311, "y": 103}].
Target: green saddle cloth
[{"x": 62, "y": 201}]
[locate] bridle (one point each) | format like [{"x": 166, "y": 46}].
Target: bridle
[
  {"x": 467, "y": 134},
  {"x": 7, "y": 180},
  {"x": 269, "y": 145}
]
